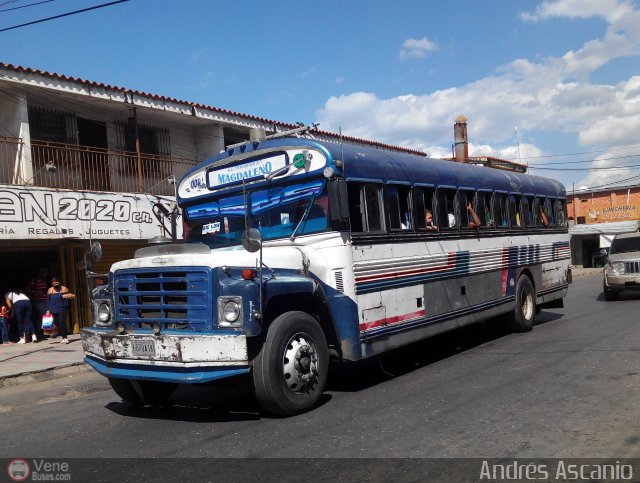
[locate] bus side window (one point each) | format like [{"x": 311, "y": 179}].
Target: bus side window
[
  {"x": 537, "y": 212},
  {"x": 548, "y": 211},
  {"x": 394, "y": 208},
  {"x": 483, "y": 209},
  {"x": 514, "y": 210},
  {"x": 365, "y": 207},
  {"x": 500, "y": 214},
  {"x": 525, "y": 211},
  {"x": 561, "y": 212},
  {"x": 422, "y": 200},
  {"x": 446, "y": 218},
  {"x": 466, "y": 215},
  {"x": 399, "y": 207}
]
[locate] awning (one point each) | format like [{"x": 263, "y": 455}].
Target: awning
[{"x": 612, "y": 228}]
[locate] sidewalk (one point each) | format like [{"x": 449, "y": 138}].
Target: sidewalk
[{"x": 48, "y": 359}]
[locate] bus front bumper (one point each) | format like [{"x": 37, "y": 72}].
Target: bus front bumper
[{"x": 189, "y": 358}]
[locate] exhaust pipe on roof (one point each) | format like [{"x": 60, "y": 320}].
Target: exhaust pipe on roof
[{"x": 461, "y": 141}]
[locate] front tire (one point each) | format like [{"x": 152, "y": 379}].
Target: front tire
[
  {"x": 610, "y": 295},
  {"x": 290, "y": 371},
  {"x": 525, "y": 311},
  {"x": 142, "y": 392}
]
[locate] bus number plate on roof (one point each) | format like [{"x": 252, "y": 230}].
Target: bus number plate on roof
[{"x": 143, "y": 347}]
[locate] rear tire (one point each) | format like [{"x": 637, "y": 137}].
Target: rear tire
[
  {"x": 290, "y": 371},
  {"x": 142, "y": 392},
  {"x": 525, "y": 311}
]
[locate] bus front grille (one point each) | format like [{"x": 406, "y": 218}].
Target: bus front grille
[{"x": 173, "y": 298}]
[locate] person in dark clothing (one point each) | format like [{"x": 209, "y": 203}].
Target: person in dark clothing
[
  {"x": 21, "y": 305},
  {"x": 58, "y": 297}
]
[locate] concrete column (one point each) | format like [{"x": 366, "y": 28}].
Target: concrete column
[
  {"x": 24, "y": 160},
  {"x": 210, "y": 141}
]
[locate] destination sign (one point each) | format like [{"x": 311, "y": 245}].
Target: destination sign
[{"x": 247, "y": 171}]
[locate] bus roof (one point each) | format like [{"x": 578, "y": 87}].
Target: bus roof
[{"x": 367, "y": 163}]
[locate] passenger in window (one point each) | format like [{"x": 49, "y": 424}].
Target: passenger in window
[
  {"x": 474, "y": 221},
  {"x": 428, "y": 219},
  {"x": 543, "y": 217}
]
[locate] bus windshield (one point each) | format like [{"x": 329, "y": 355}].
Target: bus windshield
[{"x": 278, "y": 212}]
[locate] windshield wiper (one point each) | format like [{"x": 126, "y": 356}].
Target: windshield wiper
[{"x": 303, "y": 218}]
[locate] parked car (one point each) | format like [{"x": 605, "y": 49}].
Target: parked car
[{"x": 622, "y": 270}]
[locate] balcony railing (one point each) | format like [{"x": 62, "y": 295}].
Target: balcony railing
[{"x": 88, "y": 168}]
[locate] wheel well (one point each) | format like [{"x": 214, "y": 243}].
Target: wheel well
[
  {"x": 527, "y": 272},
  {"x": 304, "y": 302}
]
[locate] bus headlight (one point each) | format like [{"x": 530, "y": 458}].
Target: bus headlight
[
  {"x": 229, "y": 311},
  {"x": 104, "y": 312},
  {"x": 618, "y": 267}
]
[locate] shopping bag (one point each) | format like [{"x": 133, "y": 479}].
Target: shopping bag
[{"x": 47, "y": 322}]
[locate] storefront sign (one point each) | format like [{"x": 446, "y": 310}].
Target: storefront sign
[
  {"x": 40, "y": 213},
  {"x": 620, "y": 213}
]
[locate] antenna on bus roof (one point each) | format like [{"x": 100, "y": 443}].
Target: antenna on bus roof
[{"x": 296, "y": 131}]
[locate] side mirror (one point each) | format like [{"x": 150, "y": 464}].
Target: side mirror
[
  {"x": 252, "y": 240},
  {"x": 338, "y": 204},
  {"x": 96, "y": 251}
]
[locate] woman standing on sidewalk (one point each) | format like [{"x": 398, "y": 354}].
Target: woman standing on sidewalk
[
  {"x": 58, "y": 297},
  {"x": 22, "y": 313}
]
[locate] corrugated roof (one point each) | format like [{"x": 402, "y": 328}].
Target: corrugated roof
[
  {"x": 283, "y": 125},
  {"x": 611, "y": 228}
]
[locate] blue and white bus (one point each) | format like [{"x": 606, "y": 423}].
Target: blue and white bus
[{"x": 298, "y": 250}]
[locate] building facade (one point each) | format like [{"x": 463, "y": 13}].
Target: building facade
[{"x": 596, "y": 216}]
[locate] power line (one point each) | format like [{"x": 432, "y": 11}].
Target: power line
[
  {"x": 64, "y": 15},
  {"x": 25, "y": 6},
  {"x": 584, "y": 161},
  {"x": 604, "y": 168},
  {"x": 578, "y": 154}
]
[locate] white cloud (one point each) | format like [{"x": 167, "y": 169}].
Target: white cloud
[
  {"x": 553, "y": 95},
  {"x": 417, "y": 48},
  {"x": 309, "y": 71},
  {"x": 611, "y": 10},
  {"x": 339, "y": 80}
]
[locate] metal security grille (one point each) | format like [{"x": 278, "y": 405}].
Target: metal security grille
[
  {"x": 172, "y": 298},
  {"x": 632, "y": 267}
]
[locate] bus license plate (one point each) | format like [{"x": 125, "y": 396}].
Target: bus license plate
[{"x": 145, "y": 348}]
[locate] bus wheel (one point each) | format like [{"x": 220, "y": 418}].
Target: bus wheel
[
  {"x": 290, "y": 371},
  {"x": 142, "y": 392},
  {"x": 525, "y": 306}
]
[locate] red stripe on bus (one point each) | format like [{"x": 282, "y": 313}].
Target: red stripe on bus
[{"x": 391, "y": 320}]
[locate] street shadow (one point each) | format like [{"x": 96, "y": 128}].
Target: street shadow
[
  {"x": 204, "y": 403},
  {"x": 622, "y": 296},
  {"x": 234, "y": 400},
  {"x": 358, "y": 376}
]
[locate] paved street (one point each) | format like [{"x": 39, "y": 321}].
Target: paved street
[{"x": 569, "y": 388}]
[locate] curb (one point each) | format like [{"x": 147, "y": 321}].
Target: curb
[{"x": 43, "y": 375}]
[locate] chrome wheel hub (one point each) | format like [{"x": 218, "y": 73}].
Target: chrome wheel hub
[{"x": 300, "y": 363}]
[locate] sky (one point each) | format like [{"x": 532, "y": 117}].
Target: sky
[{"x": 554, "y": 84}]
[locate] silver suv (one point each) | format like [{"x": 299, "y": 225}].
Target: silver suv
[{"x": 622, "y": 271}]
